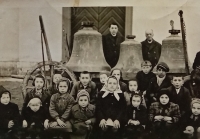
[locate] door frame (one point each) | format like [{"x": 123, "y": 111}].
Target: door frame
[{"x": 66, "y": 27}]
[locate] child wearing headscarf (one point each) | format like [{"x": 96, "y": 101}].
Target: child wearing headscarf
[
  {"x": 191, "y": 121},
  {"x": 9, "y": 115},
  {"x": 163, "y": 115},
  {"x": 111, "y": 106},
  {"x": 82, "y": 116},
  {"x": 36, "y": 118}
]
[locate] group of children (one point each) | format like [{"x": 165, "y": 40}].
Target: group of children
[{"x": 151, "y": 105}]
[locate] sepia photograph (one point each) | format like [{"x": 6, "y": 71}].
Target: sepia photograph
[{"x": 109, "y": 69}]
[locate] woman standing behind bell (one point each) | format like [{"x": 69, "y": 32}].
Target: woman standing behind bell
[{"x": 111, "y": 45}]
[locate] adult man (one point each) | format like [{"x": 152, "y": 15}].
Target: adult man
[
  {"x": 196, "y": 63},
  {"x": 111, "y": 45},
  {"x": 151, "y": 49}
]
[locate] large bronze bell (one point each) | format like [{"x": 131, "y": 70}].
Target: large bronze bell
[
  {"x": 130, "y": 58},
  {"x": 87, "y": 53},
  {"x": 172, "y": 51}
]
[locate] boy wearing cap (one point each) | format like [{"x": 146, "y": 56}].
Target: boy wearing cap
[
  {"x": 191, "y": 120},
  {"x": 82, "y": 116},
  {"x": 144, "y": 76},
  {"x": 9, "y": 116},
  {"x": 157, "y": 83},
  {"x": 180, "y": 95}
]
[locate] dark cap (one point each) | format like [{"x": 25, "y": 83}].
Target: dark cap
[{"x": 163, "y": 66}]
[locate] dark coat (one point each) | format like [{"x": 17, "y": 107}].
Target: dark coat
[
  {"x": 45, "y": 99},
  {"x": 110, "y": 107},
  {"x": 37, "y": 117},
  {"x": 9, "y": 112},
  {"x": 140, "y": 114},
  {"x": 196, "y": 61},
  {"x": 188, "y": 119},
  {"x": 144, "y": 79},
  {"x": 153, "y": 88},
  {"x": 111, "y": 48},
  {"x": 151, "y": 51},
  {"x": 123, "y": 86},
  {"x": 91, "y": 89},
  {"x": 183, "y": 98}
]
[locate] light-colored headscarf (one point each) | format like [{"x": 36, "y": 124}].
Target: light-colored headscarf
[{"x": 116, "y": 92}]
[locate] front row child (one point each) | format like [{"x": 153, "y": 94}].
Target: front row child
[
  {"x": 9, "y": 116},
  {"x": 82, "y": 116},
  {"x": 110, "y": 106},
  {"x": 60, "y": 107},
  {"x": 35, "y": 119},
  {"x": 164, "y": 116},
  {"x": 136, "y": 118},
  {"x": 191, "y": 121},
  {"x": 132, "y": 89}
]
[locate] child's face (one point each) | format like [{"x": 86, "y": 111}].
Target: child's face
[
  {"x": 196, "y": 109},
  {"x": 146, "y": 69},
  {"x": 164, "y": 99},
  {"x": 35, "y": 107},
  {"x": 177, "y": 82},
  {"x": 39, "y": 83},
  {"x": 62, "y": 87},
  {"x": 83, "y": 101},
  {"x": 161, "y": 73},
  {"x": 85, "y": 79},
  {"x": 112, "y": 84},
  {"x": 136, "y": 101},
  {"x": 5, "y": 99},
  {"x": 116, "y": 73},
  {"x": 133, "y": 86},
  {"x": 57, "y": 78},
  {"x": 113, "y": 30},
  {"x": 103, "y": 78}
]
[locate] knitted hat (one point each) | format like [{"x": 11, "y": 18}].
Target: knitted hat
[
  {"x": 195, "y": 100},
  {"x": 163, "y": 91},
  {"x": 3, "y": 90},
  {"x": 35, "y": 100},
  {"x": 146, "y": 63},
  {"x": 163, "y": 66},
  {"x": 82, "y": 93},
  {"x": 38, "y": 76}
]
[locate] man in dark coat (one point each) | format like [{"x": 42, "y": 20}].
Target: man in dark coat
[
  {"x": 196, "y": 63},
  {"x": 111, "y": 45},
  {"x": 151, "y": 49}
]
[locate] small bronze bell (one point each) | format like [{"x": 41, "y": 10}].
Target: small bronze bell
[
  {"x": 172, "y": 51},
  {"x": 130, "y": 58},
  {"x": 87, "y": 53}
]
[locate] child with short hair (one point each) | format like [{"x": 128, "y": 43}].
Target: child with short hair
[
  {"x": 35, "y": 119},
  {"x": 103, "y": 76},
  {"x": 157, "y": 83},
  {"x": 60, "y": 107},
  {"x": 136, "y": 118},
  {"x": 132, "y": 89},
  {"x": 56, "y": 78},
  {"x": 179, "y": 94},
  {"x": 111, "y": 107},
  {"x": 118, "y": 74},
  {"x": 145, "y": 75},
  {"x": 82, "y": 116},
  {"x": 85, "y": 83},
  {"x": 164, "y": 116},
  {"x": 9, "y": 115},
  {"x": 191, "y": 120},
  {"x": 38, "y": 91}
]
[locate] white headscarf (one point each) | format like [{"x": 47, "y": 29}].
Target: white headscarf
[{"x": 116, "y": 92}]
